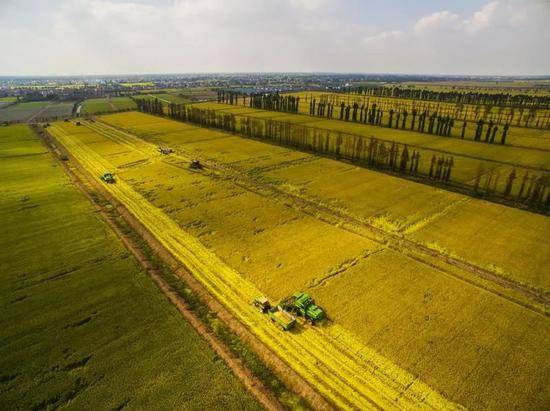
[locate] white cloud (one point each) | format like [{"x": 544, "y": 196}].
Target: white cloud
[
  {"x": 438, "y": 21},
  {"x": 502, "y": 37},
  {"x": 123, "y": 36},
  {"x": 385, "y": 35},
  {"x": 445, "y": 20},
  {"x": 483, "y": 18}
]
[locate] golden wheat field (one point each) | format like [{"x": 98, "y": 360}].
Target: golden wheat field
[
  {"x": 328, "y": 356},
  {"x": 261, "y": 219}
]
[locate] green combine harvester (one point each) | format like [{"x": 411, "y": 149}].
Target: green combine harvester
[
  {"x": 300, "y": 304},
  {"x": 303, "y": 305},
  {"x": 108, "y": 177}
]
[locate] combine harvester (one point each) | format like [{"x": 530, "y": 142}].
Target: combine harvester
[
  {"x": 302, "y": 304},
  {"x": 108, "y": 177},
  {"x": 165, "y": 150},
  {"x": 195, "y": 165},
  {"x": 284, "y": 314}
]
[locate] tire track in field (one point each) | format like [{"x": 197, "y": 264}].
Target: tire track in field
[{"x": 345, "y": 266}]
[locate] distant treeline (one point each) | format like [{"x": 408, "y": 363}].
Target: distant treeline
[
  {"x": 465, "y": 97},
  {"x": 370, "y": 152},
  {"x": 264, "y": 101}
]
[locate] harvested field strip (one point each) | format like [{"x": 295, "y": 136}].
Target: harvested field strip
[{"x": 328, "y": 357}]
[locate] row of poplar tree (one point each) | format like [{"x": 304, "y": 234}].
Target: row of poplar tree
[
  {"x": 466, "y": 97},
  {"x": 433, "y": 123},
  {"x": 397, "y": 158},
  {"x": 375, "y": 153},
  {"x": 264, "y": 101},
  {"x": 522, "y": 117}
]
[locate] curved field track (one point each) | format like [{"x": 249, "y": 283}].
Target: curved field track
[{"x": 348, "y": 373}]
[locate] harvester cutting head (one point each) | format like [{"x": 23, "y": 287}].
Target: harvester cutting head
[
  {"x": 302, "y": 299},
  {"x": 314, "y": 313}
]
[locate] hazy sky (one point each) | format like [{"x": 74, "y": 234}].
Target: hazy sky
[{"x": 369, "y": 36}]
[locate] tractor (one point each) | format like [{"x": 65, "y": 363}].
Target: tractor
[
  {"x": 108, "y": 177},
  {"x": 262, "y": 304},
  {"x": 303, "y": 305},
  {"x": 195, "y": 165},
  {"x": 165, "y": 150}
]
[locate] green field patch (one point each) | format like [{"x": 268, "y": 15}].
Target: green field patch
[{"x": 107, "y": 105}]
